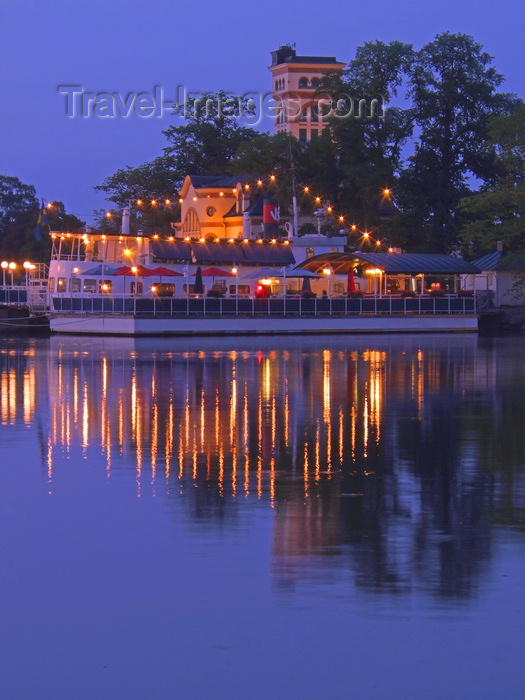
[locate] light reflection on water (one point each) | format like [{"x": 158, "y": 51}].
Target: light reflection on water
[{"x": 390, "y": 467}]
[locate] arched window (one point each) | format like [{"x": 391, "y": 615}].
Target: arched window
[
  {"x": 276, "y": 84},
  {"x": 191, "y": 223},
  {"x": 315, "y": 82},
  {"x": 303, "y": 82}
]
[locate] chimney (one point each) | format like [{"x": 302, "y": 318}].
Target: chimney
[{"x": 499, "y": 246}]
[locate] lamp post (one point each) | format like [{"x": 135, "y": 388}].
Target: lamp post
[
  {"x": 136, "y": 273},
  {"x": 235, "y": 272},
  {"x": 283, "y": 270},
  {"x": 4, "y": 265},
  {"x": 185, "y": 269},
  {"x": 12, "y": 268},
  {"x": 27, "y": 267}
]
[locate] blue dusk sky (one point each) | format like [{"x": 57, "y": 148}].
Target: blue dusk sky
[{"x": 130, "y": 47}]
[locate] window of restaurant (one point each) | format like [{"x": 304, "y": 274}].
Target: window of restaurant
[{"x": 244, "y": 289}]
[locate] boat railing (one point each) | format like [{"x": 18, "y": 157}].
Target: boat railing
[{"x": 193, "y": 306}]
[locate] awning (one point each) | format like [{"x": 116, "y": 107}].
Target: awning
[
  {"x": 392, "y": 263},
  {"x": 263, "y": 252},
  {"x": 176, "y": 250}
]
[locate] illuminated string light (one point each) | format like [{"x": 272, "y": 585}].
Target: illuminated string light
[{"x": 328, "y": 208}]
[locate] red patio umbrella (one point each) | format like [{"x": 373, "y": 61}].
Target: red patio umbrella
[
  {"x": 166, "y": 272},
  {"x": 140, "y": 271},
  {"x": 216, "y": 272}
]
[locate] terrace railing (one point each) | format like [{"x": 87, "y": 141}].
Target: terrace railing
[{"x": 278, "y": 306}]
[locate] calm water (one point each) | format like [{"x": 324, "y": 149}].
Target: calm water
[{"x": 270, "y": 518}]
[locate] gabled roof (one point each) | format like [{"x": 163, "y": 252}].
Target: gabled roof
[
  {"x": 500, "y": 260},
  {"x": 256, "y": 207}
]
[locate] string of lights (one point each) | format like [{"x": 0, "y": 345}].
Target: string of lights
[{"x": 271, "y": 181}]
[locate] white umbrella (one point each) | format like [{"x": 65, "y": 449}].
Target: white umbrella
[
  {"x": 262, "y": 272},
  {"x": 302, "y": 273}
]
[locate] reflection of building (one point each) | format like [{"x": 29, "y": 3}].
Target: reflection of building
[
  {"x": 295, "y": 86},
  {"x": 388, "y": 457}
]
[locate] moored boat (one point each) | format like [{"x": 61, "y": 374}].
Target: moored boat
[{"x": 134, "y": 284}]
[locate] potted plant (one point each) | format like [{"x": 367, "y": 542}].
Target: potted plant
[
  {"x": 408, "y": 293},
  {"x": 357, "y": 294}
]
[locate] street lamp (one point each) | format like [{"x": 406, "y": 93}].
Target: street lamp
[
  {"x": 12, "y": 268},
  {"x": 135, "y": 271},
  {"x": 4, "y": 265},
  {"x": 235, "y": 271},
  {"x": 27, "y": 267}
]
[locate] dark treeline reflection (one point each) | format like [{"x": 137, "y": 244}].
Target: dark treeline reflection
[{"x": 391, "y": 460}]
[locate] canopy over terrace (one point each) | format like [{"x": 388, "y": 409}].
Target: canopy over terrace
[
  {"x": 232, "y": 252},
  {"x": 398, "y": 265}
]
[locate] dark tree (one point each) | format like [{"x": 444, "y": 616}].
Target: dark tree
[
  {"x": 497, "y": 211},
  {"x": 453, "y": 86}
]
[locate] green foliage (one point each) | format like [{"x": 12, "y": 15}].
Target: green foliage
[
  {"x": 497, "y": 211},
  {"x": 204, "y": 145},
  {"x": 19, "y": 212},
  {"x": 150, "y": 181},
  {"x": 446, "y": 94},
  {"x": 453, "y": 87},
  {"x": 15, "y": 199},
  {"x": 363, "y": 154}
]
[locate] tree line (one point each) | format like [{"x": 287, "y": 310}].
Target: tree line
[{"x": 450, "y": 147}]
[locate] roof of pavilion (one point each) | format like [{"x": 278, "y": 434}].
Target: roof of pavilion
[{"x": 393, "y": 263}]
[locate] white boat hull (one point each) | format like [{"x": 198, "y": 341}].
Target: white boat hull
[{"x": 129, "y": 325}]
